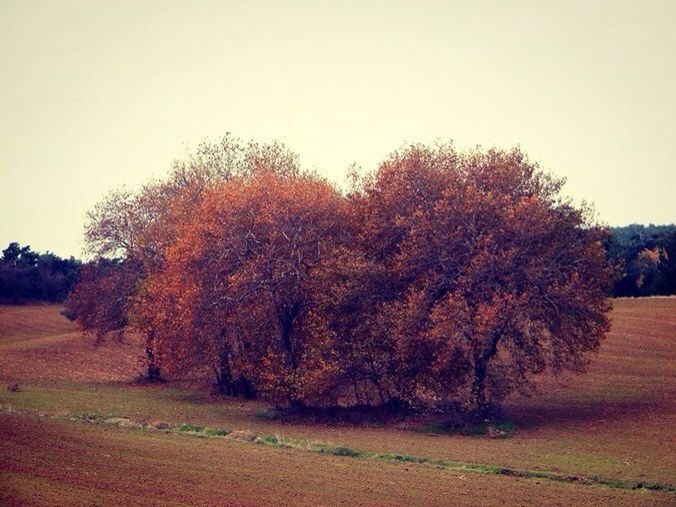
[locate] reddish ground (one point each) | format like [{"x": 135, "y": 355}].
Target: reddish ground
[
  {"x": 38, "y": 344},
  {"x": 49, "y": 463},
  {"x": 616, "y": 422}
]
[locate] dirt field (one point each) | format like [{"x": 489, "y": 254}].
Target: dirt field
[{"x": 613, "y": 425}]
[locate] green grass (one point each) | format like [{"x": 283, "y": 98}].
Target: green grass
[
  {"x": 341, "y": 451},
  {"x": 192, "y": 428},
  {"x": 269, "y": 440},
  {"x": 88, "y": 417},
  {"x": 267, "y": 414},
  {"x": 216, "y": 432},
  {"x": 503, "y": 429},
  {"x": 404, "y": 458}
]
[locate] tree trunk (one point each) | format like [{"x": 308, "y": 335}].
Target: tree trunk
[
  {"x": 478, "y": 401},
  {"x": 296, "y": 404},
  {"x": 286, "y": 316},
  {"x": 356, "y": 393},
  {"x": 223, "y": 377},
  {"x": 222, "y": 384},
  {"x": 227, "y": 384},
  {"x": 286, "y": 329},
  {"x": 479, "y": 405},
  {"x": 153, "y": 373}
]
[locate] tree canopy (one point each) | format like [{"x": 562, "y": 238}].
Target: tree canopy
[
  {"x": 440, "y": 277},
  {"x": 646, "y": 258},
  {"x": 27, "y": 276}
]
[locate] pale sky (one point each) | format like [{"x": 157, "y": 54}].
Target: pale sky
[{"x": 95, "y": 95}]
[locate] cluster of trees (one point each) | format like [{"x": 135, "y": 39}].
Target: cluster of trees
[
  {"x": 441, "y": 277},
  {"x": 646, "y": 256},
  {"x": 27, "y": 276}
]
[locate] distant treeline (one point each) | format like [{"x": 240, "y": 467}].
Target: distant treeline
[
  {"x": 644, "y": 254},
  {"x": 27, "y": 276}
]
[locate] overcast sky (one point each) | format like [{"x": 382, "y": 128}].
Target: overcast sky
[{"x": 94, "y": 95}]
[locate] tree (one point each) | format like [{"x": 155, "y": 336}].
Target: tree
[
  {"x": 27, "y": 276},
  {"x": 17, "y": 255},
  {"x": 441, "y": 277},
  {"x": 99, "y": 301},
  {"x": 493, "y": 276},
  {"x": 236, "y": 291},
  {"x": 120, "y": 234},
  {"x": 138, "y": 227},
  {"x": 642, "y": 255}
]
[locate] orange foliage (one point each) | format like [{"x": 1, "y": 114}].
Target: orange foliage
[
  {"x": 236, "y": 290},
  {"x": 441, "y": 277},
  {"x": 494, "y": 275}
]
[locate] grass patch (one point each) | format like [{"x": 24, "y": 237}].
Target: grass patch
[
  {"x": 193, "y": 428},
  {"x": 270, "y": 440},
  {"x": 268, "y": 414},
  {"x": 87, "y": 417},
  {"x": 339, "y": 451},
  {"x": 403, "y": 458},
  {"x": 216, "y": 432},
  {"x": 502, "y": 429},
  {"x": 493, "y": 430},
  {"x": 286, "y": 443}
]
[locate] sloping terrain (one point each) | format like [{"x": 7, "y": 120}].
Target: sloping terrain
[{"x": 37, "y": 344}]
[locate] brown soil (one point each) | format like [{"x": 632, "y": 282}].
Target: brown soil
[
  {"x": 616, "y": 421},
  {"x": 55, "y": 463}
]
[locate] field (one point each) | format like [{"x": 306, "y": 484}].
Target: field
[{"x": 78, "y": 432}]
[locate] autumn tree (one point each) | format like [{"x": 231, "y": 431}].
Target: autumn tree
[
  {"x": 98, "y": 303},
  {"x": 492, "y": 276},
  {"x": 239, "y": 282},
  {"x": 118, "y": 235},
  {"x": 136, "y": 226},
  {"x": 440, "y": 277}
]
